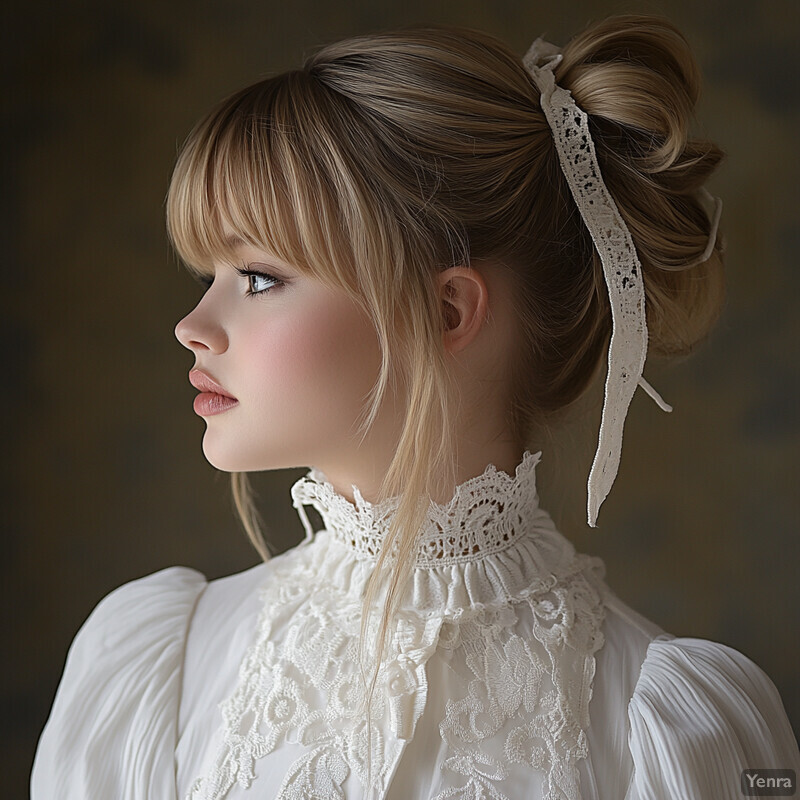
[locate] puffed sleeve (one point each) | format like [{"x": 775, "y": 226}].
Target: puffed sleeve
[
  {"x": 701, "y": 713},
  {"x": 112, "y": 728}
]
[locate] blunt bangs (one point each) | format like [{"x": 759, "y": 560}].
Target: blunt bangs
[{"x": 254, "y": 167}]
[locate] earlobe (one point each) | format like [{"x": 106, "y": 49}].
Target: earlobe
[{"x": 464, "y": 301}]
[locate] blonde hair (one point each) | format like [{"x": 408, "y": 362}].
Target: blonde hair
[{"x": 390, "y": 157}]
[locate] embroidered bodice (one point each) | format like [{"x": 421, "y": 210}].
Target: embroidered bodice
[{"x": 496, "y": 593}]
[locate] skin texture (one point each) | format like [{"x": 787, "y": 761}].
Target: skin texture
[{"x": 301, "y": 359}]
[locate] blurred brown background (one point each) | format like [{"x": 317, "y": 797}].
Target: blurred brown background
[{"x": 104, "y": 477}]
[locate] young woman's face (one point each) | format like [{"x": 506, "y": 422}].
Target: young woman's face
[{"x": 298, "y": 357}]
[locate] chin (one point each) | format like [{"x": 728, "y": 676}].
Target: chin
[
  {"x": 239, "y": 459},
  {"x": 221, "y": 464},
  {"x": 223, "y": 459}
]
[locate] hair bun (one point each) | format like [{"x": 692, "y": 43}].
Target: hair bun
[{"x": 636, "y": 78}]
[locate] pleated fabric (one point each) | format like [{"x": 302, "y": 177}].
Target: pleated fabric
[
  {"x": 701, "y": 713},
  {"x": 111, "y": 734}
]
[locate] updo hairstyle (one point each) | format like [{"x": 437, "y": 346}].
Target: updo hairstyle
[{"x": 387, "y": 158}]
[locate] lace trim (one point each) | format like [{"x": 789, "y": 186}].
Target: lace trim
[
  {"x": 299, "y": 684},
  {"x": 487, "y": 514}
]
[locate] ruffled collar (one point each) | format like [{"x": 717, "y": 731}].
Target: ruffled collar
[{"x": 490, "y": 545}]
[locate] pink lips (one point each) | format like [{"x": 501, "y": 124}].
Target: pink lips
[{"x": 213, "y": 399}]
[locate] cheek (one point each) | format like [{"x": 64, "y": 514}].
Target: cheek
[{"x": 323, "y": 362}]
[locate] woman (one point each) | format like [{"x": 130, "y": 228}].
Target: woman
[{"x": 418, "y": 249}]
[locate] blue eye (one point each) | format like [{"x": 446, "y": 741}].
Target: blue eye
[{"x": 258, "y": 282}]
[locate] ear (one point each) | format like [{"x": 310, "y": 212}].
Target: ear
[{"x": 464, "y": 301}]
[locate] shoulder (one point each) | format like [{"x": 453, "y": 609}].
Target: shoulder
[
  {"x": 149, "y": 612},
  {"x": 117, "y": 700},
  {"x": 166, "y": 595},
  {"x": 673, "y": 717},
  {"x": 227, "y": 611},
  {"x": 145, "y": 616},
  {"x": 701, "y": 712}
]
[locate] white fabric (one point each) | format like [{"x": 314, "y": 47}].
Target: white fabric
[
  {"x": 112, "y": 730},
  {"x": 512, "y": 672}
]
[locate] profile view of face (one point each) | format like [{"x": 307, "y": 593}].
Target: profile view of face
[{"x": 298, "y": 357}]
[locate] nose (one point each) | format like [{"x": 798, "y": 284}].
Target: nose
[{"x": 200, "y": 330}]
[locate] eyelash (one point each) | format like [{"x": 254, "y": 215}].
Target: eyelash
[{"x": 248, "y": 273}]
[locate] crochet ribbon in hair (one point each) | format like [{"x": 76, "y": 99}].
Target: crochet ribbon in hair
[{"x": 621, "y": 267}]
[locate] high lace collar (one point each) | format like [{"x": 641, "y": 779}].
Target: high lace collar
[
  {"x": 487, "y": 515},
  {"x": 491, "y": 545}
]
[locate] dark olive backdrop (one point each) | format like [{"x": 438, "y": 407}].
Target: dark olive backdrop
[{"x": 104, "y": 477}]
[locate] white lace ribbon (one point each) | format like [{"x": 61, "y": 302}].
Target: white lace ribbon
[{"x": 621, "y": 267}]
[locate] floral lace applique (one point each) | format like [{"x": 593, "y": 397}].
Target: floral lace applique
[
  {"x": 306, "y": 689},
  {"x": 529, "y": 694}
]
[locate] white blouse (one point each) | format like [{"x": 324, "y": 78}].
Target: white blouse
[{"x": 512, "y": 672}]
